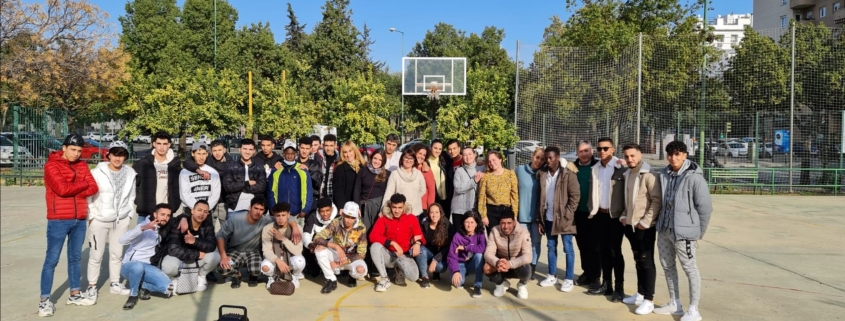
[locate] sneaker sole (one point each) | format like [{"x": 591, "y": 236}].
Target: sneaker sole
[
  {"x": 476, "y": 296},
  {"x": 87, "y": 303},
  {"x": 668, "y": 313},
  {"x": 45, "y": 314},
  {"x": 567, "y": 290}
]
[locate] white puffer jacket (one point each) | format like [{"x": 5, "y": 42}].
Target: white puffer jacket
[{"x": 102, "y": 206}]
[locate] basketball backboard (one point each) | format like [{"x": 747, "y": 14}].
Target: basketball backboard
[{"x": 448, "y": 75}]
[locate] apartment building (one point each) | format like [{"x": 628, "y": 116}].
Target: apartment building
[{"x": 770, "y": 14}]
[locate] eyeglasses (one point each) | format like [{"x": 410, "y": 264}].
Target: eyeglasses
[{"x": 603, "y": 149}]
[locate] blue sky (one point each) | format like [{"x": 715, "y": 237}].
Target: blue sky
[{"x": 522, "y": 20}]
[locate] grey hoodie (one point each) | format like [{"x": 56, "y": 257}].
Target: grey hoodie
[
  {"x": 466, "y": 195},
  {"x": 689, "y": 212}
]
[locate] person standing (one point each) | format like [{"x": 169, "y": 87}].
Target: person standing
[
  {"x": 370, "y": 184},
  {"x": 529, "y": 202},
  {"x": 498, "y": 192},
  {"x": 559, "y": 195},
  {"x": 218, "y": 160},
  {"x": 158, "y": 178},
  {"x": 421, "y": 152},
  {"x": 465, "y": 198},
  {"x": 316, "y": 146},
  {"x": 244, "y": 179},
  {"x": 268, "y": 159},
  {"x": 69, "y": 182},
  {"x": 193, "y": 187},
  {"x": 345, "y": 172},
  {"x": 442, "y": 169},
  {"x": 408, "y": 181},
  {"x": 607, "y": 202},
  {"x": 310, "y": 165},
  {"x": 588, "y": 230},
  {"x": 394, "y": 156},
  {"x": 683, "y": 220},
  {"x": 642, "y": 206},
  {"x": 290, "y": 184},
  {"x": 111, "y": 210},
  {"x": 329, "y": 156}
]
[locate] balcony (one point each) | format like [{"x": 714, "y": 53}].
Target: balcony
[
  {"x": 839, "y": 16},
  {"x": 801, "y": 4}
]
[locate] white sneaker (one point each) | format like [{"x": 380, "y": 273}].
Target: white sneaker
[
  {"x": 295, "y": 280},
  {"x": 171, "y": 289},
  {"x": 80, "y": 299},
  {"x": 119, "y": 289},
  {"x": 673, "y": 307},
  {"x": 500, "y": 289},
  {"x": 692, "y": 314},
  {"x": 522, "y": 290},
  {"x": 383, "y": 285},
  {"x": 635, "y": 299},
  {"x": 91, "y": 293},
  {"x": 567, "y": 286},
  {"x": 202, "y": 283},
  {"x": 46, "y": 308},
  {"x": 645, "y": 308},
  {"x": 551, "y": 280},
  {"x": 269, "y": 282}
]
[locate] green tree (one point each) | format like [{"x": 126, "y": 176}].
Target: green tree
[
  {"x": 334, "y": 50},
  {"x": 758, "y": 75},
  {"x": 253, "y": 48},
  {"x": 361, "y": 109},
  {"x": 198, "y": 32},
  {"x": 284, "y": 111},
  {"x": 295, "y": 35},
  {"x": 150, "y": 35}
]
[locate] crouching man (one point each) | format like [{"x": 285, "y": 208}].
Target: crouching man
[
  {"x": 195, "y": 244},
  {"x": 139, "y": 262},
  {"x": 342, "y": 245},
  {"x": 508, "y": 255},
  {"x": 281, "y": 256}
]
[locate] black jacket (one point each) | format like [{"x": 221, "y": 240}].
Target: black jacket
[
  {"x": 234, "y": 181},
  {"x": 145, "y": 185},
  {"x": 218, "y": 165},
  {"x": 366, "y": 186},
  {"x": 315, "y": 171},
  {"x": 343, "y": 184},
  {"x": 440, "y": 252},
  {"x": 161, "y": 248},
  {"x": 269, "y": 161},
  {"x": 205, "y": 240}
]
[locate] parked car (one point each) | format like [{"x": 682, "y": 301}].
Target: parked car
[
  {"x": 7, "y": 152},
  {"x": 799, "y": 149},
  {"x": 527, "y": 146},
  {"x": 571, "y": 156},
  {"x": 93, "y": 152},
  {"x": 405, "y": 146},
  {"x": 733, "y": 149},
  {"x": 146, "y": 139},
  {"x": 765, "y": 150},
  {"x": 107, "y": 137},
  {"x": 368, "y": 150}
]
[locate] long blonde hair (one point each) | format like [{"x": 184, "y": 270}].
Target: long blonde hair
[{"x": 359, "y": 160}]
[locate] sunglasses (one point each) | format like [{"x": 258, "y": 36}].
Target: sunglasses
[{"x": 603, "y": 149}]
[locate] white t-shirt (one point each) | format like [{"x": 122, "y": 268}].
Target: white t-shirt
[
  {"x": 550, "y": 194},
  {"x": 605, "y": 174},
  {"x": 245, "y": 198},
  {"x": 393, "y": 162},
  {"x": 161, "y": 182}
]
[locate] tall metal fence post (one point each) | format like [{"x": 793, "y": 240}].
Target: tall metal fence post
[
  {"x": 639, "y": 86},
  {"x": 792, "y": 110},
  {"x": 757, "y": 141},
  {"x": 16, "y": 120},
  {"x": 842, "y": 141},
  {"x": 512, "y": 156},
  {"x": 705, "y": 45}
]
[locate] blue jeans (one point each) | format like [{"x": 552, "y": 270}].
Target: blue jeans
[
  {"x": 57, "y": 232},
  {"x": 142, "y": 274},
  {"x": 567, "y": 249},
  {"x": 476, "y": 263},
  {"x": 424, "y": 259},
  {"x": 536, "y": 238}
]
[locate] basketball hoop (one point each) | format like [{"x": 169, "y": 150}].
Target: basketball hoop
[{"x": 433, "y": 95}]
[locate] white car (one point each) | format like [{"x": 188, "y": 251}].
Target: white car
[
  {"x": 527, "y": 146},
  {"x": 146, "y": 139},
  {"x": 107, "y": 137},
  {"x": 7, "y": 151},
  {"x": 765, "y": 150},
  {"x": 92, "y": 136},
  {"x": 733, "y": 149},
  {"x": 571, "y": 156}
]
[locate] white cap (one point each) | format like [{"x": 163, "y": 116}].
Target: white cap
[
  {"x": 118, "y": 143},
  {"x": 289, "y": 144},
  {"x": 351, "y": 209}
]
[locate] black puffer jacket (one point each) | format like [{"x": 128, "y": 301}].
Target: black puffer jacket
[
  {"x": 206, "y": 242},
  {"x": 145, "y": 185},
  {"x": 234, "y": 181},
  {"x": 315, "y": 171}
]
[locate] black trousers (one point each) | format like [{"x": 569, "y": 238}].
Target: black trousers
[
  {"x": 523, "y": 273},
  {"x": 458, "y": 220},
  {"x": 610, "y": 233},
  {"x": 495, "y": 214},
  {"x": 589, "y": 244},
  {"x": 642, "y": 244}
]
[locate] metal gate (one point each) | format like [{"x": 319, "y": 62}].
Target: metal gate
[{"x": 35, "y": 132}]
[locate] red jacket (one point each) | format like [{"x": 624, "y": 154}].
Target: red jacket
[
  {"x": 430, "y": 188},
  {"x": 400, "y": 230},
  {"x": 68, "y": 184}
]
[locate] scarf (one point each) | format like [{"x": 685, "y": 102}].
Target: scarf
[{"x": 375, "y": 171}]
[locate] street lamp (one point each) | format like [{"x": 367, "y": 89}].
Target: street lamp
[{"x": 402, "y": 115}]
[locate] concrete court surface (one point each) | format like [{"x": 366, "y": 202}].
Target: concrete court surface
[{"x": 763, "y": 258}]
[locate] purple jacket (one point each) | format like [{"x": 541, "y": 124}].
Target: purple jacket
[{"x": 475, "y": 244}]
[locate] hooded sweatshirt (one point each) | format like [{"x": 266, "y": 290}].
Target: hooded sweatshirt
[
  {"x": 412, "y": 185},
  {"x": 142, "y": 244},
  {"x": 115, "y": 199},
  {"x": 353, "y": 241},
  {"x": 192, "y": 187},
  {"x": 314, "y": 223},
  {"x": 472, "y": 245}
]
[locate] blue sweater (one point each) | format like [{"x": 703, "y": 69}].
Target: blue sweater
[{"x": 529, "y": 194}]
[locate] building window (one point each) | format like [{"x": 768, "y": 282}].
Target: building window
[
  {"x": 734, "y": 38},
  {"x": 783, "y": 2},
  {"x": 810, "y": 15},
  {"x": 783, "y": 21},
  {"x": 822, "y": 12},
  {"x": 837, "y": 6}
]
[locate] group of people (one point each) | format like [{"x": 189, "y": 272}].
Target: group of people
[{"x": 396, "y": 216}]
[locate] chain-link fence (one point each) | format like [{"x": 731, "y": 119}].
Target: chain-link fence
[{"x": 765, "y": 116}]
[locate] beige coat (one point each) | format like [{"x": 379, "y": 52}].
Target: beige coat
[
  {"x": 643, "y": 197},
  {"x": 516, "y": 248},
  {"x": 617, "y": 189},
  {"x": 567, "y": 194}
]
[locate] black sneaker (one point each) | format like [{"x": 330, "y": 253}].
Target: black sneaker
[
  {"x": 435, "y": 277},
  {"x": 252, "y": 281},
  {"x": 533, "y": 268},
  {"x": 618, "y": 295},
  {"x": 601, "y": 290},
  {"x": 351, "y": 282},
  {"x": 329, "y": 287},
  {"x": 476, "y": 292},
  {"x": 144, "y": 294},
  {"x": 425, "y": 283},
  {"x": 130, "y": 303},
  {"x": 236, "y": 282},
  {"x": 583, "y": 280},
  {"x": 211, "y": 277},
  {"x": 400, "y": 277}
]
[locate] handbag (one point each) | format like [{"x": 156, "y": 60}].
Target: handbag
[
  {"x": 187, "y": 278},
  {"x": 282, "y": 287}
]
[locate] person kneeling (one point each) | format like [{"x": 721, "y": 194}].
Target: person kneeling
[
  {"x": 508, "y": 255},
  {"x": 466, "y": 252},
  {"x": 342, "y": 245},
  {"x": 277, "y": 248},
  {"x": 392, "y": 238},
  {"x": 194, "y": 246},
  {"x": 139, "y": 263}
]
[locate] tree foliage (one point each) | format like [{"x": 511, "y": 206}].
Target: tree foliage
[
  {"x": 284, "y": 110},
  {"x": 361, "y": 110}
]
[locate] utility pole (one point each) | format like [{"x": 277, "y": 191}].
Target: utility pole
[
  {"x": 703, "y": 88},
  {"x": 215, "y": 34}
]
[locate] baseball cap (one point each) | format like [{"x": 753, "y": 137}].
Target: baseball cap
[
  {"x": 74, "y": 140},
  {"x": 351, "y": 209},
  {"x": 199, "y": 145},
  {"x": 118, "y": 143},
  {"x": 289, "y": 144}
]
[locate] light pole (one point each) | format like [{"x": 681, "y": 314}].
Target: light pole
[{"x": 402, "y": 115}]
